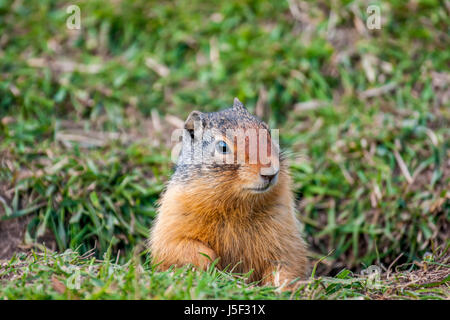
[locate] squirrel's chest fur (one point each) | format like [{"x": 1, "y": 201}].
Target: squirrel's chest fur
[{"x": 247, "y": 236}]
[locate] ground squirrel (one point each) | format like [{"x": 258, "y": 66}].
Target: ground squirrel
[{"x": 232, "y": 210}]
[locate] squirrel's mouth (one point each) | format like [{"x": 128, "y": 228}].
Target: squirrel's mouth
[
  {"x": 260, "y": 189},
  {"x": 265, "y": 184}
]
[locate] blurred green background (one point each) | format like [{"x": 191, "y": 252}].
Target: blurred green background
[{"x": 86, "y": 115}]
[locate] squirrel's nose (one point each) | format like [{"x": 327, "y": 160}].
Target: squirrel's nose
[{"x": 269, "y": 177}]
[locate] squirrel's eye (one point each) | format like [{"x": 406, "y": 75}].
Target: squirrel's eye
[{"x": 222, "y": 147}]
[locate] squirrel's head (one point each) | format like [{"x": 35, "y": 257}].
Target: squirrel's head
[{"x": 230, "y": 152}]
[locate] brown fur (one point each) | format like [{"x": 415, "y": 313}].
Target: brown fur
[{"x": 212, "y": 214}]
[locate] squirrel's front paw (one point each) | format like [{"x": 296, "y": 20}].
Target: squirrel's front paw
[
  {"x": 182, "y": 252},
  {"x": 281, "y": 278},
  {"x": 206, "y": 256}
]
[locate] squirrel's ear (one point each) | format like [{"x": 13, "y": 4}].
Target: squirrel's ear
[
  {"x": 194, "y": 117},
  {"x": 238, "y": 105}
]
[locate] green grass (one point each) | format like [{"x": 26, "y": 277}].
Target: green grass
[
  {"x": 71, "y": 276},
  {"x": 85, "y": 149}
]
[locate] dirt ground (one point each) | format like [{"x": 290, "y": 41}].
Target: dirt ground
[{"x": 12, "y": 231}]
